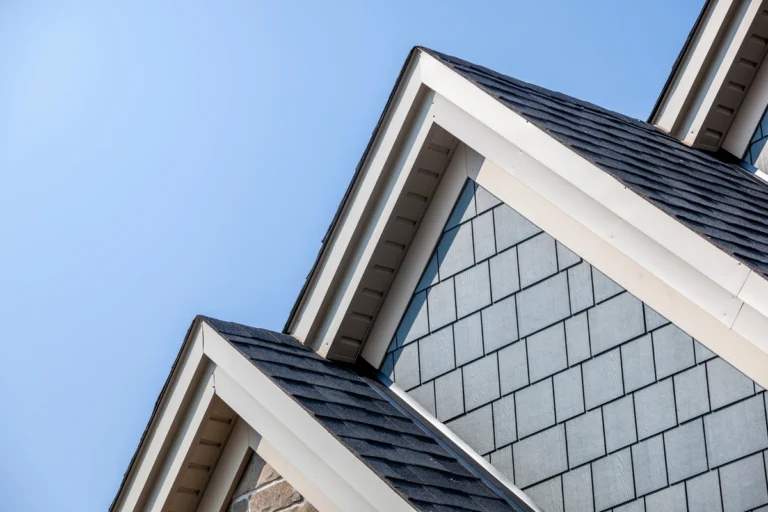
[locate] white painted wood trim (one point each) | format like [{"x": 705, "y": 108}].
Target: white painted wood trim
[
  {"x": 176, "y": 398},
  {"x": 465, "y": 163},
  {"x": 306, "y": 486},
  {"x": 228, "y": 470},
  {"x": 667, "y": 265},
  {"x": 318, "y": 290},
  {"x": 713, "y": 280},
  {"x": 750, "y": 114},
  {"x": 535, "y": 145},
  {"x": 702, "y": 111},
  {"x": 360, "y": 258},
  {"x": 323, "y": 461},
  {"x": 182, "y": 442},
  {"x": 749, "y": 357},
  {"x": 700, "y": 51}
]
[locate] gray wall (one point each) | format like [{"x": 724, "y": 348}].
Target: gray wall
[{"x": 578, "y": 392}]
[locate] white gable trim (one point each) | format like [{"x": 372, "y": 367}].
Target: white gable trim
[
  {"x": 750, "y": 114},
  {"x": 693, "y": 62},
  {"x": 674, "y": 270},
  {"x": 327, "y": 275},
  {"x": 176, "y": 399},
  {"x": 283, "y": 433},
  {"x": 694, "y": 133},
  {"x": 183, "y": 439},
  {"x": 228, "y": 470},
  {"x": 708, "y": 100}
]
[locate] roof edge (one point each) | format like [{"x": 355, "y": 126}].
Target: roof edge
[
  {"x": 679, "y": 61},
  {"x": 154, "y": 415},
  {"x": 347, "y": 194}
]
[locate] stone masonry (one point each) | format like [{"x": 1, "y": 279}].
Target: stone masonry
[
  {"x": 262, "y": 489},
  {"x": 582, "y": 395}
]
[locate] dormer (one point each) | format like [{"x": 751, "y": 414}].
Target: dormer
[{"x": 716, "y": 96}]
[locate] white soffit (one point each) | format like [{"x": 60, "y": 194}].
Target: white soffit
[
  {"x": 684, "y": 277},
  {"x": 343, "y": 236},
  {"x": 731, "y": 77},
  {"x": 700, "y": 50},
  {"x": 718, "y": 70}
]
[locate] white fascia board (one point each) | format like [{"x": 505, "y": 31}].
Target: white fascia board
[
  {"x": 378, "y": 215},
  {"x": 673, "y": 269},
  {"x": 336, "y": 475},
  {"x": 688, "y": 74},
  {"x": 182, "y": 442},
  {"x": 174, "y": 401},
  {"x": 724, "y": 67},
  {"x": 742, "y": 347},
  {"x": 749, "y": 115},
  {"x": 342, "y": 237},
  {"x": 536, "y": 147},
  {"x": 228, "y": 470},
  {"x": 662, "y": 257}
]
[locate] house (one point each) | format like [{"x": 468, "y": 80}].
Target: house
[{"x": 524, "y": 302}]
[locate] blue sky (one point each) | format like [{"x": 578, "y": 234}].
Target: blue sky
[{"x": 164, "y": 159}]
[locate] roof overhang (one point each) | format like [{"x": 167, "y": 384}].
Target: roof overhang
[
  {"x": 683, "y": 276},
  {"x": 215, "y": 408},
  {"x": 713, "y": 78}
]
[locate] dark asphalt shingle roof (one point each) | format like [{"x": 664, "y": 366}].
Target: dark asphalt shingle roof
[
  {"x": 720, "y": 201},
  {"x": 358, "y": 412}
]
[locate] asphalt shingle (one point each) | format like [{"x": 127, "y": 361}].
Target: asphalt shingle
[{"x": 359, "y": 413}]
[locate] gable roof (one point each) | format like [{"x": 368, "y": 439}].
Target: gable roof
[
  {"x": 364, "y": 416},
  {"x": 717, "y": 199},
  {"x": 721, "y": 201}
]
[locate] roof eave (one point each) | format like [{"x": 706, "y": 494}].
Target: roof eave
[
  {"x": 155, "y": 410},
  {"x": 347, "y": 194},
  {"x": 678, "y": 62}
]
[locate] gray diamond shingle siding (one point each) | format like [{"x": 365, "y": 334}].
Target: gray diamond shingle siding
[
  {"x": 596, "y": 399},
  {"x": 353, "y": 409}
]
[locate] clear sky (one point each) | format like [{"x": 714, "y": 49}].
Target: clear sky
[{"x": 163, "y": 159}]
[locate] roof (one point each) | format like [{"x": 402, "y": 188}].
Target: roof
[
  {"x": 718, "y": 199},
  {"x": 364, "y": 416},
  {"x": 721, "y": 201}
]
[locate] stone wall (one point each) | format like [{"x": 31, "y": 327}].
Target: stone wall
[
  {"x": 262, "y": 489},
  {"x": 578, "y": 392}
]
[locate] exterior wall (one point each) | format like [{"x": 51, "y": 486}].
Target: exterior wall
[
  {"x": 262, "y": 489},
  {"x": 579, "y": 393}
]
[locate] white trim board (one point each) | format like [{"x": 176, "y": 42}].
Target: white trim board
[
  {"x": 707, "y": 98},
  {"x": 228, "y": 470},
  {"x": 341, "y": 239},
  {"x": 750, "y": 114},
  {"x": 704, "y": 290},
  {"x": 694, "y": 62},
  {"x": 175, "y": 399}
]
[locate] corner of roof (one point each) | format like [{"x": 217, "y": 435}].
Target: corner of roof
[
  {"x": 156, "y": 408},
  {"x": 337, "y": 215}
]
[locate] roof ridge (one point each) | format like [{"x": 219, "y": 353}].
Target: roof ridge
[{"x": 452, "y": 60}]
